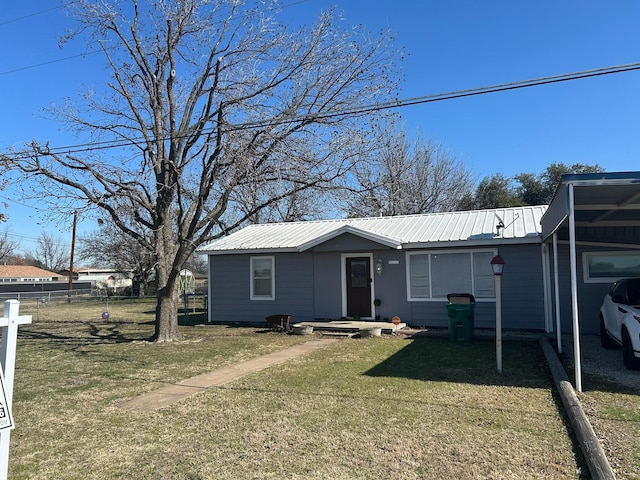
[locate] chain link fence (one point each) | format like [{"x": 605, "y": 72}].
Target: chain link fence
[{"x": 93, "y": 305}]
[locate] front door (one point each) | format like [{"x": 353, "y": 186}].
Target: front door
[{"x": 358, "y": 282}]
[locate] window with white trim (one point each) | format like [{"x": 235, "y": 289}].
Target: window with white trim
[
  {"x": 432, "y": 275},
  {"x": 262, "y": 278},
  {"x": 607, "y": 267}
]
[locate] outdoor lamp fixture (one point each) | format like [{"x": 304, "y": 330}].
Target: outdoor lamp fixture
[
  {"x": 497, "y": 265},
  {"x": 379, "y": 267}
]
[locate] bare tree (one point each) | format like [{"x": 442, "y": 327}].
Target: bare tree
[
  {"x": 51, "y": 253},
  {"x": 406, "y": 177},
  {"x": 208, "y": 96},
  {"x": 8, "y": 246},
  {"x": 110, "y": 247},
  {"x": 302, "y": 205}
]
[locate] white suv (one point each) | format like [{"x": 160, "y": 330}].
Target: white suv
[{"x": 620, "y": 320}]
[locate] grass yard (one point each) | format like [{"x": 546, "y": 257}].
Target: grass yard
[
  {"x": 614, "y": 413},
  {"x": 392, "y": 408}
]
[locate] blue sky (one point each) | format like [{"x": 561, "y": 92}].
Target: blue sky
[{"x": 449, "y": 45}]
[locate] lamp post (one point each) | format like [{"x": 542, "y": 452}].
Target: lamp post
[{"x": 497, "y": 266}]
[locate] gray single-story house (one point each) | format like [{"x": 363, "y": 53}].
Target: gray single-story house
[
  {"x": 339, "y": 268},
  {"x": 560, "y": 259}
]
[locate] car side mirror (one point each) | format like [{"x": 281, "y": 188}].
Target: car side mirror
[{"x": 616, "y": 298}]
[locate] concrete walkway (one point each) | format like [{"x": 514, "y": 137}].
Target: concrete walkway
[{"x": 175, "y": 392}]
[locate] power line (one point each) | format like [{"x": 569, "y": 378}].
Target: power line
[
  {"x": 64, "y": 59},
  {"x": 31, "y": 15},
  {"x": 524, "y": 83},
  {"x": 96, "y": 146}
]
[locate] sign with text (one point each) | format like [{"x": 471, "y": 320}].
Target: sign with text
[{"x": 6, "y": 420}]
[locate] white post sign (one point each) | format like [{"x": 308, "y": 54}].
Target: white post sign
[
  {"x": 6, "y": 419},
  {"x": 9, "y": 328}
]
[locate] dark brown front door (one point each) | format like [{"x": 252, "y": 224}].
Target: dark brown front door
[{"x": 358, "y": 271}]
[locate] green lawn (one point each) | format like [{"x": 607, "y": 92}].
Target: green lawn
[
  {"x": 394, "y": 408},
  {"x": 614, "y": 413}
]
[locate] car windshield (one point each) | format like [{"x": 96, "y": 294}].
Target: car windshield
[{"x": 633, "y": 291}]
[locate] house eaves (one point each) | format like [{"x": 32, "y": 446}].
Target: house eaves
[{"x": 488, "y": 241}]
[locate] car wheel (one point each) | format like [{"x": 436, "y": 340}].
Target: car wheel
[
  {"x": 605, "y": 339},
  {"x": 630, "y": 361}
]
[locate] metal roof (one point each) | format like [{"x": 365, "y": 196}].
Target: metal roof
[
  {"x": 476, "y": 227},
  {"x": 600, "y": 200}
]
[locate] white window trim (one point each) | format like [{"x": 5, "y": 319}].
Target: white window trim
[
  {"x": 585, "y": 265},
  {"x": 273, "y": 278},
  {"x": 493, "y": 251}
]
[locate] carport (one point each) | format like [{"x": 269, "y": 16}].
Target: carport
[{"x": 592, "y": 227}]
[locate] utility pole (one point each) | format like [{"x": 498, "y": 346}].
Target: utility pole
[{"x": 73, "y": 247}]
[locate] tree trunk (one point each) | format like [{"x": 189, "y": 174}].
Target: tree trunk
[
  {"x": 167, "y": 314},
  {"x": 168, "y": 286}
]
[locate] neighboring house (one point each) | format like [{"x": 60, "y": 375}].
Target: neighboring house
[
  {"x": 338, "y": 268},
  {"x": 104, "y": 278},
  {"x": 27, "y": 274},
  {"x": 19, "y": 281}
]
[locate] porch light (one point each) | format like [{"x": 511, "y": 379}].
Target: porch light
[
  {"x": 379, "y": 267},
  {"x": 497, "y": 265}
]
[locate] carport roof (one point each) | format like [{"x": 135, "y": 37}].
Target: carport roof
[
  {"x": 591, "y": 200},
  {"x": 468, "y": 228},
  {"x": 600, "y": 200}
]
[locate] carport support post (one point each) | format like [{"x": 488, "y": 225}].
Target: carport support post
[
  {"x": 9, "y": 323},
  {"x": 574, "y": 291}
]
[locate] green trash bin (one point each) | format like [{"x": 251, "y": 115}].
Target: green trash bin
[{"x": 460, "y": 311}]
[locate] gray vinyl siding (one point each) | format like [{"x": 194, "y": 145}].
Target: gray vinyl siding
[
  {"x": 590, "y": 295},
  {"x": 522, "y": 287},
  {"x": 230, "y": 288},
  {"x": 328, "y": 286},
  {"x": 391, "y": 287},
  {"x": 346, "y": 243},
  {"x": 522, "y": 295},
  {"x": 309, "y": 286}
]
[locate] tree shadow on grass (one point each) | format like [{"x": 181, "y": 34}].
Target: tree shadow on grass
[
  {"x": 437, "y": 359},
  {"x": 92, "y": 333}
]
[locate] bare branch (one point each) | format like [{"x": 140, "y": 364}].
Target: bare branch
[{"x": 211, "y": 99}]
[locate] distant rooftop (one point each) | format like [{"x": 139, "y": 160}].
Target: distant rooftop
[{"x": 25, "y": 271}]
